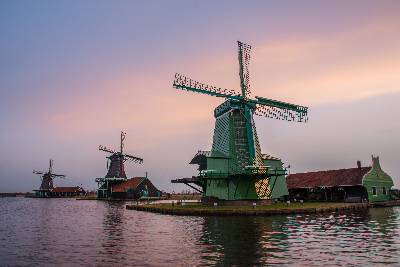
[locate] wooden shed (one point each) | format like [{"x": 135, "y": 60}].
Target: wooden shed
[{"x": 351, "y": 185}]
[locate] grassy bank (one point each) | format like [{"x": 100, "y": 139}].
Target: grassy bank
[
  {"x": 143, "y": 199},
  {"x": 265, "y": 210}
]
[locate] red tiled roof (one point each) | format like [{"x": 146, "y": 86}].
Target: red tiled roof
[
  {"x": 329, "y": 178},
  {"x": 66, "y": 189},
  {"x": 130, "y": 183}
]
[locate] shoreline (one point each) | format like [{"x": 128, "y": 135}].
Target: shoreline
[
  {"x": 267, "y": 210},
  {"x": 120, "y": 199}
]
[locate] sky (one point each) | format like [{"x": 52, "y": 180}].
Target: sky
[{"x": 73, "y": 74}]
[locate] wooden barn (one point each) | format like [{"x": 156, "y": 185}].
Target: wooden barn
[
  {"x": 67, "y": 191},
  {"x": 135, "y": 188},
  {"x": 351, "y": 185},
  {"x": 64, "y": 191}
]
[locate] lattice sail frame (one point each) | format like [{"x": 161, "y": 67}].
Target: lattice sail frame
[
  {"x": 244, "y": 73},
  {"x": 259, "y": 106},
  {"x": 281, "y": 113},
  {"x": 184, "y": 83},
  {"x": 263, "y": 189}
]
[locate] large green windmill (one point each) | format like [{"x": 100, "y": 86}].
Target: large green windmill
[{"x": 235, "y": 168}]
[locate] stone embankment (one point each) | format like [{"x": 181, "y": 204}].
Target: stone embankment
[{"x": 266, "y": 210}]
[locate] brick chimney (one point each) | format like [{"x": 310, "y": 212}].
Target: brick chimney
[{"x": 359, "y": 164}]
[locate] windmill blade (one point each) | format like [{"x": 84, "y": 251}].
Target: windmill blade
[
  {"x": 244, "y": 62},
  {"x": 38, "y": 172},
  {"x": 281, "y": 114},
  {"x": 280, "y": 104},
  {"x": 103, "y": 148},
  {"x": 58, "y": 176},
  {"x": 133, "y": 158},
  {"x": 51, "y": 166},
  {"x": 184, "y": 83},
  {"x": 123, "y": 136},
  {"x": 280, "y": 110}
]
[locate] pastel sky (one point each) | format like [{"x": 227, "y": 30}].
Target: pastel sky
[{"x": 73, "y": 74}]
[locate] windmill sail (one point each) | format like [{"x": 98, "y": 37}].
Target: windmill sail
[
  {"x": 184, "y": 83},
  {"x": 244, "y": 73}
]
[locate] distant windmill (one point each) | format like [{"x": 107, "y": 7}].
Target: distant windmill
[
  {"x": 47, "y": 180},
  {"x": 116, "y": 162},
  {"x": 115, "y": 167},
  {"x": 236, "y": 157}
]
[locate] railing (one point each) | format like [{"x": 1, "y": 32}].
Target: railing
[{"x": 249, "y": 170}]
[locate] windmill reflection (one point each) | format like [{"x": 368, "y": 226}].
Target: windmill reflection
[
  {"x": 244, "y": 240},
  {"x": 113, "y": 241}
]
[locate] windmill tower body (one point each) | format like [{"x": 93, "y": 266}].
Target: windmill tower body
[
  {"x": 115, "y": 169},
  {"x": 235, "y": 168},
  {"x": 47, "y": 182}
]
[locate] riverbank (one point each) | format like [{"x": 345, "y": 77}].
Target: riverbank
[
  {"x": 195, "y": 209},
  {"x": 179, "y": 197},
  {"x": 142, "y": 199},
  {"x": 17, "y": 194}
]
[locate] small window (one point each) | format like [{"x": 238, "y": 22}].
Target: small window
[
  {"x": 384, "y": 190},
  {"x": 374, "y": 191}
]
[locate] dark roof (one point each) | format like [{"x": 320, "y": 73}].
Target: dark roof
[
  {"x": 200, "y": 157},
  {"x": 66, "y": 189},
  {"x": 132, "y": 183},
  {"x": 331, "y": 178}
]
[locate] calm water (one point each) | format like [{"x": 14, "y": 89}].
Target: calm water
[{"x": 49, "y": 232}]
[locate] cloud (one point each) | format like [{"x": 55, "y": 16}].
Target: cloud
[{"x": 349, "y": 65}]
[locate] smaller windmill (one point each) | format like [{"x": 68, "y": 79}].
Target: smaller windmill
[
  {"x": 47, "y": 181},
  {"x": 115, "y": 168}
]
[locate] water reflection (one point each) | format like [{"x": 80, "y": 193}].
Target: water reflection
[
  {"x": 113, "y": 241},
  {"x": 96, "y": 233},
  {"x": 241, "y": 240},
  {"x": 357, "y": 238}
]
